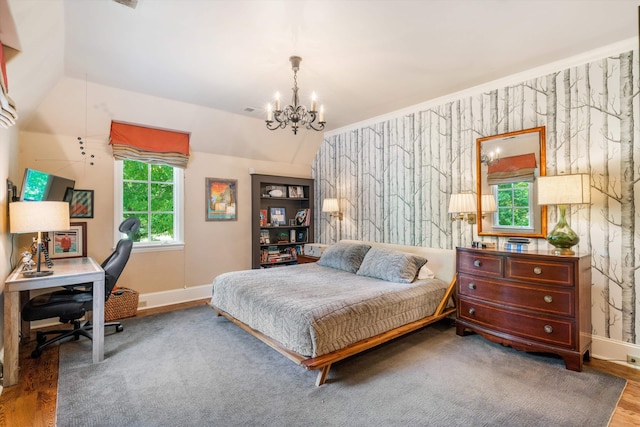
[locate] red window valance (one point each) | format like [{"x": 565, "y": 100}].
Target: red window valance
[
  {"x": 513, "y": 169},
  {"x": 149, "y": 145}
]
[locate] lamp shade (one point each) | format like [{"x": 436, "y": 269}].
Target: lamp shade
[
  {"x": 32, "y": 217},
  {"x": 564, "y": 189},
  {"x": 489, "y": 203},
  {"x": 462, "y": 202},
  {"x": 330, "y": 205}
]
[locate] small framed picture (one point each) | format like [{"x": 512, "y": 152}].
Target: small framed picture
[
  {"x": 265, "y": 239},
  {"x": 71, "y": 243},
  {"x": 81, "y": 205},
  {"x": 301, "y": 236},
  {"x": 296, "y": 192},
  {"x": 277, "y": 216},
  {"x": 221, "y": 197}
]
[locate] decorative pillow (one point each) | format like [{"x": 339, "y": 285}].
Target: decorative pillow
[
  {"x": 392, "y": 266},
  {"x": 344, "y": 256}
]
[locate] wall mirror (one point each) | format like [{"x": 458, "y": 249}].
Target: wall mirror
[{"x": 507, "y": 166}]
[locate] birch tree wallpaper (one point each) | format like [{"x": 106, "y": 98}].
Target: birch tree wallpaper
[{"x": 394, "y": 178}]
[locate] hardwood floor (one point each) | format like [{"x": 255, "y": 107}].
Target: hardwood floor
[{"x": 32, "y": 403}]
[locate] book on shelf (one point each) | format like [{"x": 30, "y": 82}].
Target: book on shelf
[{"x": 263, "y": 217}]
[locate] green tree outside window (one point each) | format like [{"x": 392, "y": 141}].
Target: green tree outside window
[{"x": 514, "y": 205}]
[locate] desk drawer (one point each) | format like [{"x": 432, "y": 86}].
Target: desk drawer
[
  {"x": 480, "y": 263},
  {"x": 549, "y": 300},
  {"x": 553, "y": 273},
  {"x": 552, "y": 331}
]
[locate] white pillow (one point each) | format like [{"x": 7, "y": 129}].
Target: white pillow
[{"x": 425, "y": 273}]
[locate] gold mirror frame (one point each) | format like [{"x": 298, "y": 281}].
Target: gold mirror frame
[{"x": 540, "y": 222}]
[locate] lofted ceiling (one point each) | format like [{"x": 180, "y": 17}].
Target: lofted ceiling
[{"x": 363, "y": 58}]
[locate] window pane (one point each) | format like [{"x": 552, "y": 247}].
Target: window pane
[
  {"x": 161, "y": 227},
  {"x": 134, "y": 197},
  {"x": 134, "y": 170},
  {"x": 161, "y": 197},
  {"x": 521, "y": 217},
  {"x": 161, "y": 173}
]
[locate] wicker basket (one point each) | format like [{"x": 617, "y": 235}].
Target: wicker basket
[{"x": 123, "y": 302}]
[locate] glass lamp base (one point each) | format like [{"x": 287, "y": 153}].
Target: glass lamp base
[{"x": 562, "y": 237}]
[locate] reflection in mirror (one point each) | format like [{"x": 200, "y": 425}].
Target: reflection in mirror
[{"x": 506, "y": 169}]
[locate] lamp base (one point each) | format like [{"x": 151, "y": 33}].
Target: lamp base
[
  {"x": 562, "y": 237},
  {"x": 37, "y": 273}
]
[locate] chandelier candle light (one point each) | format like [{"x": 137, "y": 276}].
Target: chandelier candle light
[{"x": 296, "y": 114}]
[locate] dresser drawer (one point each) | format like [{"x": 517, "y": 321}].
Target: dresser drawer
[
  {"x": 549, "y": 300},
  {"x": 552, "y": 331},
  {"x": 553, "y": 273},
  {"x": 480, "y": 263}
]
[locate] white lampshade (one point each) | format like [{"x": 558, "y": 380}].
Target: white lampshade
[
  {"x": 462, "y": 202},
  {"x": 564, "y": 189},
  {"x": 32, "y": 217},
  {"x": 489, "y": 203},
  {"x": 330, "y": 205}
]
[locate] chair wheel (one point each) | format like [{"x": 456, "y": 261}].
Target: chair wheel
[
  {"x": 119, "y": 328},
  {"x": 36, "y": 353},
  {"x": 41, "y": 338}
]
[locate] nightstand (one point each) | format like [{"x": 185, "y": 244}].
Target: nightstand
[{"x": 531, "y": 301}]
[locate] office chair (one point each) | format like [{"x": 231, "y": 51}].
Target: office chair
[{"x": 71, "y": 304}]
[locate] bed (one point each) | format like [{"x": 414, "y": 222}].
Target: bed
[{"x": 357, "y": 296}]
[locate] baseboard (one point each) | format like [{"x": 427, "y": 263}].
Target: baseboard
[
  {"x": 613, "y": 350},
  {"x": 173, "y": 296},
  {"x": 152, "y": 300}
]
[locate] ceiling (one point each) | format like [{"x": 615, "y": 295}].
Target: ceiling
[{"x": 362, "y": 58}]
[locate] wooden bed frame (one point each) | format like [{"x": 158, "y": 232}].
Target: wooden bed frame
[{"x": 323, "y": 363}]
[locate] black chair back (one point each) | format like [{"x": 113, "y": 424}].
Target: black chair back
[{"x": 115, "y": 263}]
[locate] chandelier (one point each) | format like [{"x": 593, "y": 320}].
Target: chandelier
[
  {"x": 295, "y": 114},
  {"x": 491, "y": 158}
]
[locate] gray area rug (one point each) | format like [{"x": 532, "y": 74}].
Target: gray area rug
[{"x": 192, "y": 368}]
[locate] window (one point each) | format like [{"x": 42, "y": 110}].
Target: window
[
  {"x": 514, "y": 205},
  {"x": 154, "y": 194}
]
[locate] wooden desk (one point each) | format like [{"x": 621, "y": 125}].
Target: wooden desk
[{"x": 66, "y": 272}]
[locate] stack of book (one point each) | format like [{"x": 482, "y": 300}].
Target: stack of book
[{"x": 518, "y": 244}]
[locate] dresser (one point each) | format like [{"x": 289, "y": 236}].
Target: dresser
[{"x": 531, "y": 301}]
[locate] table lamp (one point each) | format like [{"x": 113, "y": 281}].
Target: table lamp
[
  {"x": 36, "y": 217},
  {"x": 563, "y": 190}
]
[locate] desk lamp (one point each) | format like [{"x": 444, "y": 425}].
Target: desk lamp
[
  {"x": 563, "y": 190},
  {"x": 36, "y": 217}
]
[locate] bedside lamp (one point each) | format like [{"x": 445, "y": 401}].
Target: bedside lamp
[
  {"x": 464, "y": 205},
  {"x": 331, "y": 206},
  {"x": 36, "y": 217},
  {"x": 563, "y": 190}
]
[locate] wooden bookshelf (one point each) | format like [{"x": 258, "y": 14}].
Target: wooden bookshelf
[{"x": 281, "y": 219}]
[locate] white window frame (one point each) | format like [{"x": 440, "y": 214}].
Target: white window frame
[{"x": 178, "y": 207}]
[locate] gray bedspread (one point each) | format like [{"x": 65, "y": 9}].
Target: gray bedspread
[{"x": 314, "y": 310}]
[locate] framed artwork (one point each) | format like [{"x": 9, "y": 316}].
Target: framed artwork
[
  {"x": 277, "y": 216},
  {"x": 221, "y": 196},
  {"x": 71, "y": 243},
  {"x": 81, "y": 205},
  {"x": 265, "y": 239},
  {"x": 302, "y": 217},
  {"x": 296, "y": 192}
]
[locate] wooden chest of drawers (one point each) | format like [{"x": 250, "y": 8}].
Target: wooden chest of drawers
[{"x": 531, "y": 301}]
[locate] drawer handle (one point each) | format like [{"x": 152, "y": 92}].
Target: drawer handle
[
  {"x": 472, "y": 311},
  {"x": 548, "y": 329},
  {"x": 548, "y": 298},
  {"x": 477, "y": 263},
  {"x": 472, "y": 285},
  {"x": 537, "y": 270}
]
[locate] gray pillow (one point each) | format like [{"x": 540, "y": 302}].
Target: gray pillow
[
  {"x": 344, "y": 256},
  {"x": 392, "y": 266}
]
